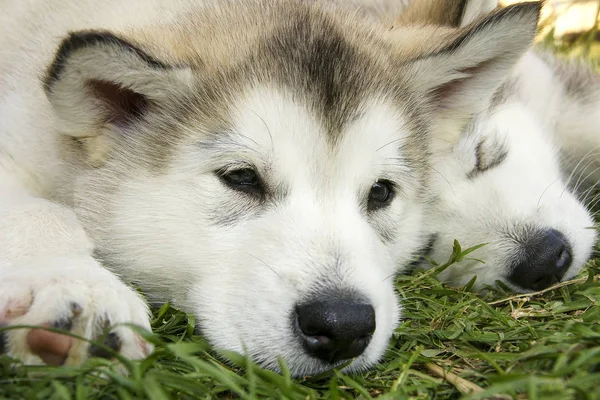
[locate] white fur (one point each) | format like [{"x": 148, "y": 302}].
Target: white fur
[
  {"x": 574, "y": 118},
  {"x": 45, "y": 266}
]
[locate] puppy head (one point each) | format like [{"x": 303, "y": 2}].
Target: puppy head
[{"x": 501, "y": 184}]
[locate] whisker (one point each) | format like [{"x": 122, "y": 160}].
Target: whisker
[
  {"x": 447, "y": 181},
  {"x": 390, "y": 276},
  {"x": 592, "y": 201},
  {"x": 264, "y": 263},
  {"x": 585, "y": 179},
  {"x": 542, "y": 195},
  {"x": 580, "y": 168},
  {"x": 583, "y": 195},
  {"x": 575, "y": 169},
  {"x": 392, "y": 142},
  {"x": 267, "y": 127},
  {"x": 595, "y": 202}
]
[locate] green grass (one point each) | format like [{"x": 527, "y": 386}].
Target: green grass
[{"x": 544, "y": 346}]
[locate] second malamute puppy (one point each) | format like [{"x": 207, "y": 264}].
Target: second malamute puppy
[{"x": 501, "y": 182}]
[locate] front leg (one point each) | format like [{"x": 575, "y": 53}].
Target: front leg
[{"x": 49, "y": 278}]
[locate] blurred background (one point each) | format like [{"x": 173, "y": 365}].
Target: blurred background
[{"x": 571, "y": 27}]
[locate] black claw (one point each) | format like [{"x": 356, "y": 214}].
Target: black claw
[
  {"x": 64, "y": 324},
  {"x": 76, "y": 309},
  {"x": 111, "y": 341}
]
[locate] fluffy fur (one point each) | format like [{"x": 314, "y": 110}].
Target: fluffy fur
[
  {"x": 502, "y": 183},
  {"x": 125, "y": 155}
]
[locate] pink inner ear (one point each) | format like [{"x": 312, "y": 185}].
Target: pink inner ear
[
  {"x": 443, "y": 94},
  {"x": 124, "y": 106}
]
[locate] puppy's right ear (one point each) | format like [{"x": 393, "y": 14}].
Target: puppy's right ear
[
  {"x": 100, "y": 81},
  {"x": 461, "y": 76}
]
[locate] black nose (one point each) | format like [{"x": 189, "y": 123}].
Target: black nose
[
  {"x": 335, "y": 330},
  {"x": 548, "y": 257}
]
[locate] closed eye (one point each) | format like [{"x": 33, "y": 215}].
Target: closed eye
[{"x": 488, "y": 155}]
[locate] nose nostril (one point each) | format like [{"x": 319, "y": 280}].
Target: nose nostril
[
  {"x": 564, "y": 259},
  {"x": 317, "y": 340}
]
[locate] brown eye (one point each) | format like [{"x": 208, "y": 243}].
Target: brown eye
[
  {"x": 243, "y": 180},
  {"x": 245, "y": 177},
  {"x": 381, "y": 194}
]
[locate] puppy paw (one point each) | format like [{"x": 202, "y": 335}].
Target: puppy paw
[{"x": 71, "y": 294}]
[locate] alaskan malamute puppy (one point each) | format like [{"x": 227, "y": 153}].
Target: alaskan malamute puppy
[
  {"x": 264, "y": 165},
  {"x": 501, "y": 182}
]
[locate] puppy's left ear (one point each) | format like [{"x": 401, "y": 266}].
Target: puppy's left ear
[{"x": 100, "y": 82}]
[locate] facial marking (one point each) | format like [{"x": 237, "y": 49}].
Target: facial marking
[
  {"x": 490, "y": 152},
  {"x": 374, "y": 149},
  {"x": 288, "y": 147},
  {"x": 483, "y": 146},
  {"x": 322, "y": 61},
  {"x": 376, "y": 142}
]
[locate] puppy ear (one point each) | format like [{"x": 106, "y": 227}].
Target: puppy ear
[
  {"x": 100, "y": 81},
  {"x": 461, "y": 77}
]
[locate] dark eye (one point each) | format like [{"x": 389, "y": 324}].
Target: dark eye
[
  {"x": 381, "y": 194},
  {"x": 243, "y": 180}
]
